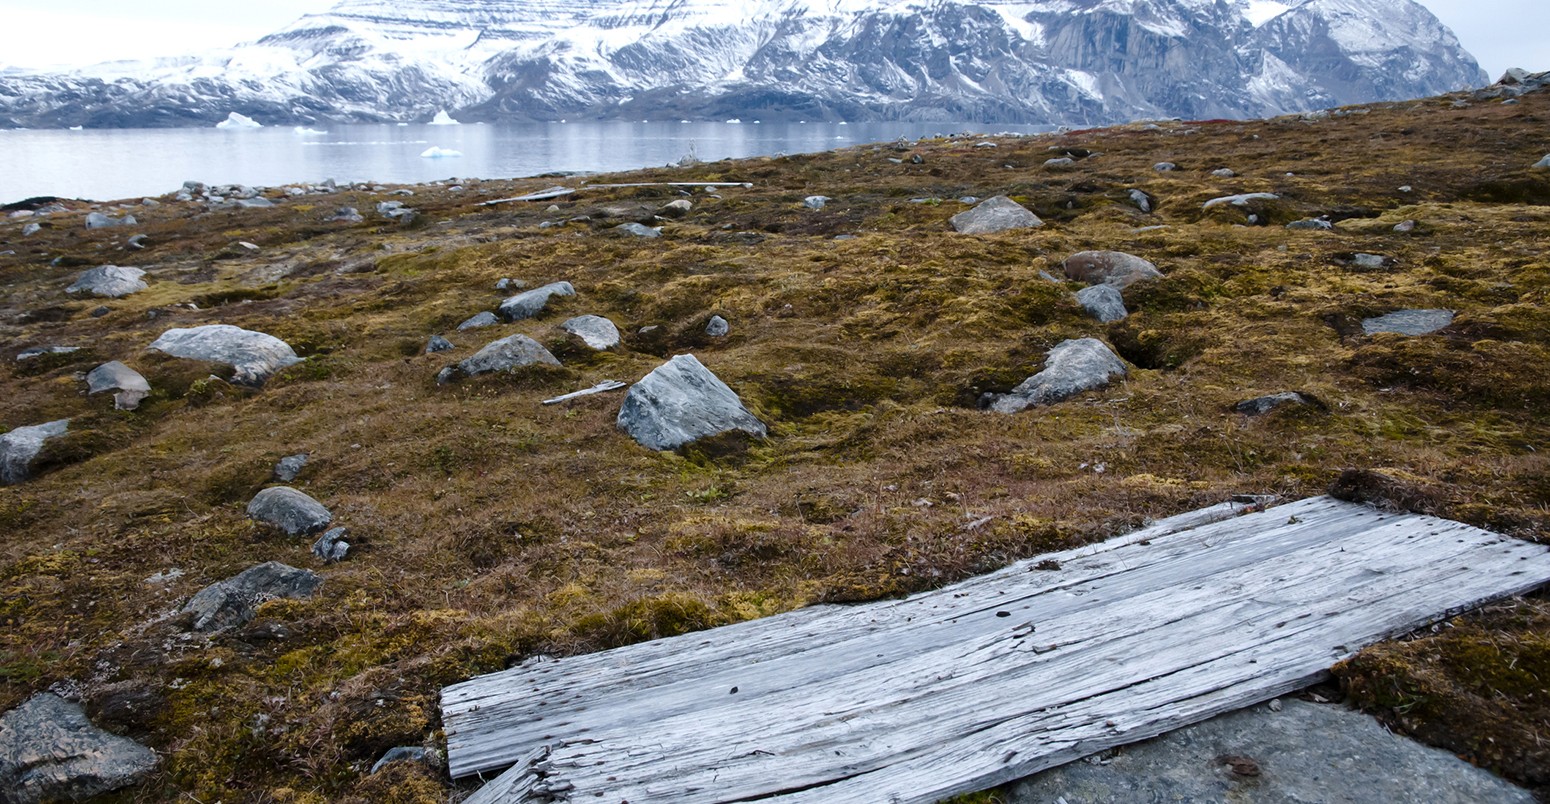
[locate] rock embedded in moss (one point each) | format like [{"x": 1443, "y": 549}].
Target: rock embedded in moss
[
  {"x": 639, "y": 230},
  {"x": 331, "y": 547},
  {"x": 717, "y": 327},
  {"x": 1261, "y": 405},
  {"x": 484, "y": 319},
  {"x": 132, "y": 388},
  {"x": 1143, "y": 201},
  {"x": 1543, "y": 163},
  {"x": 19, "y": 447},
  {"x": 510, "y": 352},
  {"x": 1069, "y": 369},
  {"x": 681, "y": 402},
  {"x": 50, "y": 751},
  {"x": 409, "y": 753},
  {"x": 109, "y": 282},
  {"x": 993, "y": 215},
  {"x": 440, "y": 344},
  {"x": 1103, "y": 302},
  {"x": 289, "y": 510},
  {"x": 1114, "y": 268},
  {"x": 532, "y": 302},
  {"x": 233, "y": 602},
  {"x": 255, "y": 355},
  {"x": 1408, "y": 322},
  {"x": 597, "y": 332},
  {"x": 289, "y": 467}
]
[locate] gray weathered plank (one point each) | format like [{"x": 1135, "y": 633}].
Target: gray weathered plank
[{"x": 988, "y": 680}]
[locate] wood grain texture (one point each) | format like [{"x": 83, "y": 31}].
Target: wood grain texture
[{"x": 985, "y": 681}]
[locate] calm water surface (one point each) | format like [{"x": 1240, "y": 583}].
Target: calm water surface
[{"x": 128, "y": 163}]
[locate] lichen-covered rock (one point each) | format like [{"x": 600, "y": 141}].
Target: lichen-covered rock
[
  {"x": 999, "y": 214},
  {"x": 438, "y": 344},
  {"x": 1543, "y": 163},
  {"x": 232, "y": 602},
  {"x": 409, "y": 753},
  {"x": 97, "y": 220},
  {"x": 20, "y": 446},
  {"x": 484, "y": 319},
  {"x": 289, "y": 510},
  {"x": 532, "y": 302},
  {"x": 1103, "y": 302},
  {"x": 254, "y": 355},
  {"x": 1311, "y": 224},
  {"x": 290, "y": 467},
  {"x": 1261, "y": 405},
  {"x": 1069, "y": 369},
  {"x": 680, "y": 402},
  {"x": 109, "y": 282},
  {"x": 1409, "y": 322},
  {"x": 507, "y": 353},
  {"x": 331, "y": 546},
  {"x": 595, "y": 331},
  {"x": 816, "y": 202},
  {"x": 40, "y": 351},
  {"x": 717, "y": 327},
  {"x": 676, "y": 209},
  {"x": 1114, "y": 268},
  {"x": 639, "y": 230},
  {"x": 1143, "y": 201},
  {"x": 131, "y": 386},
  {"x": 50, "y": 752}
]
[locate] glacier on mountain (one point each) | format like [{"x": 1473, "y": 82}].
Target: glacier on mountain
[{"x": 1047, "y": 61}]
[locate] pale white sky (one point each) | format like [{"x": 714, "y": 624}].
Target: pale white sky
[{"x": 41, "y": 33}]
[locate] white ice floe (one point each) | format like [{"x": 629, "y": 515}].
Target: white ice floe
[
  {"x": 444, "y": 119},
  {"x": 437, "y": 152},
  {"x": 303, "y": 131},
  {"x": 235, "y": 120}
]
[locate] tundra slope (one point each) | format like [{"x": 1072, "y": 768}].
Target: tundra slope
[{"x": 1057, "y": 61}]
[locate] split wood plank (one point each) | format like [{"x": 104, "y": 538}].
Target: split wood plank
[
  {"x": 985, "y": 681},
  {"x": 743, "y": 184},
  {"x": 541, "y": 195},
  {"x": 601, "y": 388}
]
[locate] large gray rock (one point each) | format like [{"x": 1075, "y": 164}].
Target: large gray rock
[
  {"x": 507, "y": 353},
  {"x": 1302, "y": 754},
  {"x": 595, "y": 331},
  {"x": 232, "y": 602},
  {"x": 1543, "y": 163},
  {"x": 993, "y": 215},
  {"x": 1114, "y": 268},
  {"x": 680, "y": 402},
  {"x": 1142, "y": 200},
  {"x": 109, "y": 282},
  {"x": 1069, "y": 369},
  {"x": 97, "y": 220},
  {"x": 484, "y": 319},
  {"x": 532, "y": 302},
  {"x": 131, "y": 386},
  {"x": 49, "y": 752},
  {"x": 1409, "y": 322},
  {"x": 289, "y": 510},
  {"x": 254, "y": 355},
  {"x": 1103, "y": 302},
  {"x": 20, "y": 446}
]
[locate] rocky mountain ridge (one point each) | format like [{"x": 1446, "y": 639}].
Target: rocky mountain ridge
[{"x": 1073, "y": 62}]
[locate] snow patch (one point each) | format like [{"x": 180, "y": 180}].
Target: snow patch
[{"x": 1259, "y": 12}]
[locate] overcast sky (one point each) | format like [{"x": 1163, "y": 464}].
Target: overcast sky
[{"x": 41, "y": 33}]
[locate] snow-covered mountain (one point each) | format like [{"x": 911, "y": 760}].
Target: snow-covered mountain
[{"x": 1048, "y": 61}]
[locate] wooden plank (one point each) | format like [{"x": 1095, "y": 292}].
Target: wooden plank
[
  {"x": 602, "y": 387},
  {"x": 989, "y": 680},
  {"x": 743, "y": 184},
  {"x": 541, "y": 195}
]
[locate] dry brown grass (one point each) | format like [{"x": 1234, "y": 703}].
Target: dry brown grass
[{"x": 489, "y": 528}]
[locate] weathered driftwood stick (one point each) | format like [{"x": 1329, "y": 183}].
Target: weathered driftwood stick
[
  {"x": 602, "y": 387},
  {"x": 541, "y": 195},
  {"x": 747, "y": 185}
]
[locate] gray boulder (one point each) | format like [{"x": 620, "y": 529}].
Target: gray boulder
[
  {"x": 717, "y": 327},
  {"x": 1223, "y": 173},
  {"x": 1409, "y": 322},
  {"x": 232, "y": 602},
  {"x": 1261, "y": 405},
  {"x": 1371, "y": 262},
  {"x": 639, "y": 230},
  {"x": 507, "y": 353},
  {"x": 1543, "y": 163},
  {"x": 676, "y": 209},
  {"x": 1069, "y": 369},
  {"x": 31, "y": 229},
  {"x": 109, "y": 282},
  {"x": 19, "y": 447},
  {"x": 532, "y": 302},
  {"x": 999, "y": 214},
  {"x": 345, "y": 215},
  {"x": 1405, "y": 226},
  {"x": 254, "y": 355},
  {"x": 1311, "y": 224},
  {"x": 1143, "y": 201},
  {"x": 1240, "y": 200},
  {"x": 439, "y": 344},
  {"x": 97, "y": 220},
  {"x": 289, "y": 467},
  {"x": 49, "y": 752},
  {"x": 595, "y": 331},
  {"x": 1059, "y": 162},
  {"x": 1114, "y": 268},
  {"x": 1165, "y": 167},
  {"x": 816, "y": 202},
  {"x": 331, "y": 546},
  {"x": 289, "y": 510},
  {"x": 257, "y": 202},
  {"x": 1103, "y": 302},
  {"x": 484, "y": 319},
  {"x": 680, "y": 402},
  {"x": 115, "y": 376}
]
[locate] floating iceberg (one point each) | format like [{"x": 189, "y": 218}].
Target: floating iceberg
[
  {"x": 235, "y": 120},
  {"x": 77, "y": 128},
  {"x": 303, "y": 131},
  {"x": 734, "y": 121},
  {"x": 444, "y": 119},
  {"x": 435, "y": 152}
]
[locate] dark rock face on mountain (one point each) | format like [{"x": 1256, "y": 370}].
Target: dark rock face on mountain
[{"x": 1075, "y": 62}]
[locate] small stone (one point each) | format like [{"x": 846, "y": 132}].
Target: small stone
[
  {"x": 248, "y": 247},
  {"x": 676, "y": 209},
  {"x": 1318, "y": 224},
  {"x": 137, "y": 242},
  {"x": 595, "y": 331},
  {"x": 1109, "y": 268},
  {"x": 503, "y": 284},
  {"x": 680, "y": 402},
  {"x": 998, "y": 214},
  {"x": 345, "y": 215},
  {"x": 1164, "y": 167},
  {"x": 97, "y": 220},
  {"x": 507, "y": 353},
  {"x": 1409, "y": 322},
  {"x": 639, "y": 230},
  {"x": 415, "y": 753},
  {"x": 717, "y": 327},
  {"x": 1405, "y": 226},
  {"x": 1275, "y": 705},
  {"x": 1103, "y": 302},
  {"x": 533, "y": 302},
  {"x": 100, "y": 312},
  {"x": 109, "y": 282},
  {"x": 289, "y": 467},
  {"x": 31, "y": 229},
  {"x": 39, "y": 351},
  {"x": 1259, "y": 406},
  {"x": 1223, "y": 173},
  {"x": 816, "y": 202},
  {"x": 289, "y": 510},
  {"x": 440, "y": 344},
  {"x": 1543, "y": 163},
  {"x": 1070, "y": 368},
  {"x": 255, "y": 203},
  {"x": 331, "y": 546},
  {"x": 232, "y": 602},
  {"x": 115, "y": 376},
  {"x": 1371, "y": 262},
  {"x": 484, "y": 319},
  {"x": 1405, "y": 188},
  {"x": 1142, "y": 200},
  {"x": 1059, "y": 162},
  {"x": 50, "y": 751},
  {"x": 20, "y": 446}
]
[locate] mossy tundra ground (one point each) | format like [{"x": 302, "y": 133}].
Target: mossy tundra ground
[{"x": 489, "y": 528}]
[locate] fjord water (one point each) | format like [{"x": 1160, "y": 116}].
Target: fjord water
[{"x": 110, "y": 164}]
